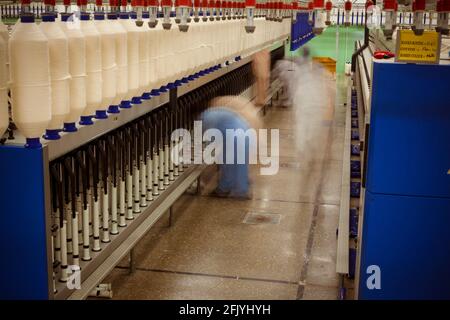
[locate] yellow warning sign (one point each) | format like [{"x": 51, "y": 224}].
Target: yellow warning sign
[{"x": 413, "y": 48}]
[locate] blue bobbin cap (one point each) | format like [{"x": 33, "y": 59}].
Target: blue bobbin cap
[
  {"x": 99, "y": 16},
  {"x": 177, "y": 83},
  {"x": 136, "y": 100},
  {"x": 86, "y": 120},
  {"x": 163, "y": 89},
  {"x": 48, "y": 17},
  {"x": 101, "y": 114},
  {"x": 145, "y": 14},
  {"x": 155, "y": 92},
  {"x": 70, "y": 127},
  {"x": 33, "y": 143},
  {"x": 27, "y": 18},
  {"x": 84, "y": 16},
  {"x": 124, "y": 15},
  {"x": 52, "y": 134},
  {"x": 113, "y": 109},
  {"x": 133, "y": 15},
  {"x": 65, "y": 16},
  {"x": 125, "y": 104},
  {"x": 184, "y": 80},
  {"x": 146, "y": 96},
  {"x": 171, "y": 86},
  {"x": 111, "y": 16}
]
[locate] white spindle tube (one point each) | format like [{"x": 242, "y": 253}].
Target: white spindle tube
[
  {"x": 63, "y": 277},
  {"x": 96, "y": 226},
  {"x": 86, "y": 253},
  {"x": 175, "y": 160},
  {"x": 105, "y": 217},
  {"x": 129, "y": 196},
  {"x": 171, "y": 166},
  {"x": 57, "y": 239},
  {"x": 161, "y": 169},
  {"x": 143, "y": 172},
  {"x": 155, "y": 173},
  {"x": 149, "y": 178},
  {"x": 75, "y": 241},
  {"x": 114, "y": 229},
  {"x": 166, "y": 164},
  {"x": 80, "y": 217},
  {"x": 53, "y": 261},
  {"x": 69, "y": 228},
  {"x": 122, "y": 222},
  {"x": 137, "y": 194}
]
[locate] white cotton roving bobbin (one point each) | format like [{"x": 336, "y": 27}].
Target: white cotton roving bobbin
[
  {"x": 109, "y": 66},
  {"x": 159, "y": 40},
  {"x": 132, "y": 55},
  {"x": 93, "y": 68},
  {"x": 59, "y": 73},
  {"x": 30, "y": 79},
  {"x": 143, "y": 57},
  {"x": 120, "y": 36},
  {"x": 77, "y": 70}
]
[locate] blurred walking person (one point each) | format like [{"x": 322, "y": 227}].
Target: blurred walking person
[
  {"x": 261, "y": 71},
  {"x": 288, "y": 72}
]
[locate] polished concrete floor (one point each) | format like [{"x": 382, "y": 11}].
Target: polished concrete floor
[{"x": 288, "y": 252}]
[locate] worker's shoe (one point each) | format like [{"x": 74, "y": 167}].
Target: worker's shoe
[
  {"x": 241, "y": 196},
  {"x": 219, "y": 193}
]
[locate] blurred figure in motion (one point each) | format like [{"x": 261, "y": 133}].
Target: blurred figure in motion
[
  {"x": 304, "y": 58},
  {"x": 313, "y": 94},
  {"x": 232, "y": 112},
  {"x": 261, "y": 71},
  {"x": 287, "y": 72}
]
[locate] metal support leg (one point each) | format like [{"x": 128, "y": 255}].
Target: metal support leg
[
  {"x": 170, "y": 216},
  {"x": 198, "y": 186},
  {"x": 132, "y": 262}
]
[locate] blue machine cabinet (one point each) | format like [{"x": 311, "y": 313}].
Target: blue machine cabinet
[
  {"x": 301, "y": 31},
  {"x": 24, "y": 224},
  {"x": 406, "y": 227}
]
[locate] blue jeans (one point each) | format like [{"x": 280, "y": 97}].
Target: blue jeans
[{"x": 233, "y": 177}]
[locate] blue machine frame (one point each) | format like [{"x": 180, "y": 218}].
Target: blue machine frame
[
  {"x": 25, "y": 242},
  {"x": 406, "y": 227},
  {"x": 301, "y": 31}
]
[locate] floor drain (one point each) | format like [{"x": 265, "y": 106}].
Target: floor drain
[{"x": 261, "y": 218}]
